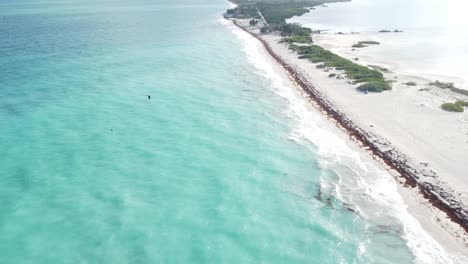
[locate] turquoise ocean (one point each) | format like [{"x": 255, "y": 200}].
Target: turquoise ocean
[{"x": 223, "y": 164}]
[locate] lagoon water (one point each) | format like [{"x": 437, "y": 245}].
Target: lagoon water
[
  {"x": 224, "y": 164},
  {"x": 433, "y": 44}
]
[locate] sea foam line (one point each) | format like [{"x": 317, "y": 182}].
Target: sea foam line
[{"x": 333, "y": 148}]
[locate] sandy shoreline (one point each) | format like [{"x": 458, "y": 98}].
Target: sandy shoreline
[{"x": 382, "y": 116}]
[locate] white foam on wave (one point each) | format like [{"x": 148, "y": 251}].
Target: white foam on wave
[{"x": 362, "y": 177}]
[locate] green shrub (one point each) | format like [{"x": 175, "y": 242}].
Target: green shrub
[
  {"x": 253, "y": 22},
  {"x": 369, "y": 42},
  {"x": 296, "y": 39},
  {"x": 375, "y": 87},
  {"x": 452, "y": 107},
  {"x": 265, "y": 29},
  {"x": 290, "y": 29},
  {"x": 359, "y": 45},
  {"x": 443, "y": 85},
  {"x": 363, "y": 44}
]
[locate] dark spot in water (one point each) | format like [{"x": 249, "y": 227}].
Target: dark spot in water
[
  {"x": 10, "y": 109},
  {"x": 22, "y": 179},
  {"x": 18, "y": 183}
]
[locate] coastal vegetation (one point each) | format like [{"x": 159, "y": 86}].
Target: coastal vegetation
[
  {"x": 291, "y": 29},
  {"x": 297, "y": 39},
  {"x": 452, "y": 107},
  {"x": 375, "y": 86},
  {"x": 370, "y": 80},
  {"x": 443, "y": 85},
  {"x": 253, "y": 22},
  {"x": 369, "y": 42},
  {"x": 359, "y": 45},
  {"x": 450, "y": 86},
  {"x": 390, "y": 31},
  {"x": 458, "y": 106},
  {"x": 363, "y": 44}
]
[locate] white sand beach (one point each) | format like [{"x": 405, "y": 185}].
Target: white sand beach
[{"x": 410, "y": 118}]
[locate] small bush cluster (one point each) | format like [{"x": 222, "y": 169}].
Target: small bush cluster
[
  {"x": 375, "y": 87},
  {"x": 388, "y": 31},
  {"x": 443, "y": 85},
  {"x": 359, "y": 45},
  {"x": 363, "y": 44},
  {"x": 450, "y": 86},
  {"x": 452, "y": 107},
  {"x": 296, "y": 39},
  {"x": 265, "y": 29},
  {"x": 369, "y": 42},
  {"x": 292, "y": 29},
  {"x": 253, "y": 22}
]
